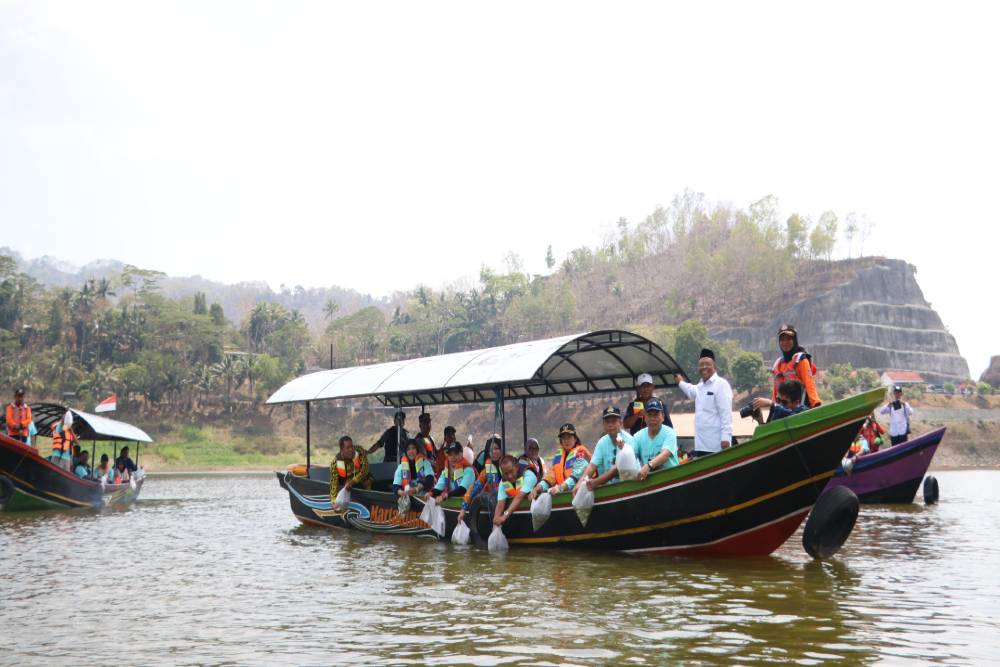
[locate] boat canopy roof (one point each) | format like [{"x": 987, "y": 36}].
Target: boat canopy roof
[
  {"x": 87, "y": 426},
  {"x": 599, "y": 361}
]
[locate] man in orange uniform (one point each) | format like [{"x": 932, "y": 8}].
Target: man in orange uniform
[
  {"x": 794, "y": 364},
  {"x": 18, "y": 417}
]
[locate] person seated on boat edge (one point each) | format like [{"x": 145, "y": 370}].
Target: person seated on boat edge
[
  {"x": 82, "y": 468},
  {"x": 532, "y": 459},
  {"x": 124, "y": 457},
  {"x": 489, "y": 477},
  {"x": 441, "y": 460},
  {"x": 602, "y": 469},
  {"x": 349, "y": 468},
  {"x": 63, "y": 438},
  {"x": 515, "y": 484},
  {"x": 788, "y": 402},
  {"x": 656, "y": 445},
  {"x": 490, "y": 453},
  {"x": 414, "y": 474},
  {"x": 393, "y": 439},
  {"x": 456, "y": 478},
  {"x": 568, "y": 465},
  {"x": 104, "y": 469},
  {"x": 635, "y": 417},
  {"x": 18, "y": 417}
]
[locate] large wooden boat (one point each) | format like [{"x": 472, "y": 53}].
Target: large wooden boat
[
  {"x": 746, "y": 500},
  {"x": 892, "y": 474},
  {"x": 29, "y": 481}
]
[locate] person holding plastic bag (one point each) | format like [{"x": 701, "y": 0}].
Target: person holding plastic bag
[
  {"x": 568, "y": 465},
  {"x": 455, "y": 479},
  {"x": 602, "y": 468},
  {"x": 349, "y": 469},
  {"x": 515, "y": 485},
  {"x": 414, "y": 473},
  {"x": 656, "y": 445}
]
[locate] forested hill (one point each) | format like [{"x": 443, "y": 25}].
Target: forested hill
[{"x": 691, "y": 274}]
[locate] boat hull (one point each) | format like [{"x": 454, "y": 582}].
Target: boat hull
[
  {"x": 747, "y": 500},
  {"x": 893, "y": 474},
  {"x": 30, "y": 482}
]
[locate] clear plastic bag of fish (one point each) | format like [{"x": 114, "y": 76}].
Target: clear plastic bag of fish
[
  {"x": 403, "y": 504},
  {"x": 627, "y": 463},
  {"x": 497, "y": 541},
  {"x": 461, "y": 534},
  {"x": 342, "y": 499},
  {"x": 427, "y": 515},
  {"x": 583, "y": 501},
  {"x": 437, "y": 520},
  {"x": 541, "y": 509}
]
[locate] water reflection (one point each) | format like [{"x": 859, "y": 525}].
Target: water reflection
[{"x": 215, "y": 569}]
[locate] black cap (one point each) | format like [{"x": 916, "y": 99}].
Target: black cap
[
  {"x": 453, "y": 448},
  {"x": 705, "y": 352},
  {"x": 611, "y": 411},
  {"x": 567, "y": 428},
  {"x": 897, "y": 388},
  {"x": 19, "y": 392},
  {"x": 654, "y": 404}
]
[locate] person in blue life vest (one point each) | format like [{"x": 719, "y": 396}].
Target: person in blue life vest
[
  {"x": 516, "y": 483},
  {"x": 456, "y": 478},
  {"x": 656, "y": 445}
]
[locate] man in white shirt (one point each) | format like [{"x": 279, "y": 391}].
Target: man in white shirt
[
  {"x": 713, "y": 407},
  {"x": 899, "y": 412}
]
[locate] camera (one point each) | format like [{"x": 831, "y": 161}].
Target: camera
[{"x": 746, "y": 411}]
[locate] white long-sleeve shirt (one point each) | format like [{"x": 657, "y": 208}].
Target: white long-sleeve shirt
[
  {"x": 899, "y": 420},
  {"x": 713, "y": 412}
]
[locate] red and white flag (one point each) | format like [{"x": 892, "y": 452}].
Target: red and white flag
[{"x": 109, "y": 404}]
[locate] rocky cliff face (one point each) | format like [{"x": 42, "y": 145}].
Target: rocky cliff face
[
  {"x": 877, "y": 319},
  {"x": 992, "y": 374}
]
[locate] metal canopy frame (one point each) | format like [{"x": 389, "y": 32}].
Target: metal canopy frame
[
  {"x": 85, "y": 425},
  {"x": 589, "y": 363}
]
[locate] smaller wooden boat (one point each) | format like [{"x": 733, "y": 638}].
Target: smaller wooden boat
[
  {"x": 892, "y": 474},
  {"x": 29, "y": 481}
]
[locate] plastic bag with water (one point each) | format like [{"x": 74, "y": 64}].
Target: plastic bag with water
[
  {"x": 541, "y": 509},
  {"x": 343, "y": 497},
  {"x": 403, "y": 504},
  {"x": 461, "y": 534},
  {"x": 627, "y": 463},
  {"x": 583, "y": 501},
  {"x": 497, "y": 541}
]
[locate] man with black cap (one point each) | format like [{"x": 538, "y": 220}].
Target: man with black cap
[
  {"x": 656, "y": 445},
  {"x": 713, "y": 407},
  {"x": 394, "y": 438},
  {"x": 602, "y": 463},
  {"x": 899, "y": 412},
  {"x": 18, "y": 417},
  {"x": 635, "y": 415}
]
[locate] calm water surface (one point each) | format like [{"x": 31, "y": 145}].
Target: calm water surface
[{"x": 215, "y": 570}]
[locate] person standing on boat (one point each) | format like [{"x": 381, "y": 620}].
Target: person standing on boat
[
  {"x": 514, "y": 486},
  {"x": 63, "y": 439},
  {"x": 568, "y": 466},
  {"x": 794, "y": 364},
  {"x": 713, "y": 407},
  {"x": 393, "y": 439},
  {"x": 656, "y": 445},
  {"x": 602, "y": 463},
  {"x": 424, "y": 438},
  {"x": 18, "y": 417},
  {"x": 349, "y": 468},
  {"x": 899, "y": 412},
  {"x": 635, "y": 415},
  {"x": 441, "y": 460}
]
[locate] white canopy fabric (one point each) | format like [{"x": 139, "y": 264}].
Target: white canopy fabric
[
  {"x": 87, "y": 426},
  {"x": 600, "y": 361}
]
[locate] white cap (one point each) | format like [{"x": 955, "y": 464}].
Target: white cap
[{"x": 644, "y": 378}]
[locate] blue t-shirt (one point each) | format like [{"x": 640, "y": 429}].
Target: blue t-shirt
[
  {"x": 525, "y": 483},
  {"x": 82, "y": 471},
  {"x": 605, "y": 452},
  {"x": 647, "y": 448}
]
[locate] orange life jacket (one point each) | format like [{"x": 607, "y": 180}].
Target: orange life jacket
[
  {"x": 856, "y": 447},
  {"x": 62, "y": 439},
  {"x": 788, "y": 370},
  {"x": 18, "y": 419},
  {"x": 563, "y": 466},
  {"x": 342, "y": 466}
]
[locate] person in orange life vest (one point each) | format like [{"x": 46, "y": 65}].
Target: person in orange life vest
[
  {"x": 63, "y": 439},
  {"x": 424, "y": 438},
  {"x": 872, "y": 431},
  {"x": 414, "y": 473},
  {"x": 515, "y": 484},
  {"x": 794, "y": 364},
  {"x": 568, "y": 465},
  {"x": 489, "y": 476},
  {"x": 441, "y": 460},
  {"x": 456, "y": 477},
  {"x": 349, "y": 468},
  {"x": 18, "y": 417},
  {"x": 532, "y": 459},
  {"x": 104, "y": 469},
  {"x": 858, "y": 447}
]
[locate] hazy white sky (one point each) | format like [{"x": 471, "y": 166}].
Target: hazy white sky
[{"x": 377, "y": 145}]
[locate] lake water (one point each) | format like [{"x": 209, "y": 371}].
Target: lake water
[{"x": 213, "y": 569}]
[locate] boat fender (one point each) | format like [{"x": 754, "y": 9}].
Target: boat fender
[
  {"x": 480, "y": 504},
  {"x": 930, "y": 490},
  {"x": 830, "y": 523},
  {"x": 6, "y": 489}
]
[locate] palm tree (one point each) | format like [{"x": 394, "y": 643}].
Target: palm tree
[{"x": 329, "y": 309}]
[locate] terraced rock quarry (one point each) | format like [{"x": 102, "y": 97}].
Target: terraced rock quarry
[{"x": 876, "y": 317}]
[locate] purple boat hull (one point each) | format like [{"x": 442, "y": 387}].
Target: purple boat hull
[{"x": 893, "y": 474}]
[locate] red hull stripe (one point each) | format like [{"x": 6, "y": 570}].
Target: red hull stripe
[{"x": 758, "y": 541}]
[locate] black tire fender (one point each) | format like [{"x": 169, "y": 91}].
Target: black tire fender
[
  {"x": 830, "y": 523},
  {"x": 931, "y": 491},
  {"x": 479, "y": 504},
  {"x": 6, "y": 489}
]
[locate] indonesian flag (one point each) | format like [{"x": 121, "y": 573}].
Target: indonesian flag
[{"x": 109, "y": 404}]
